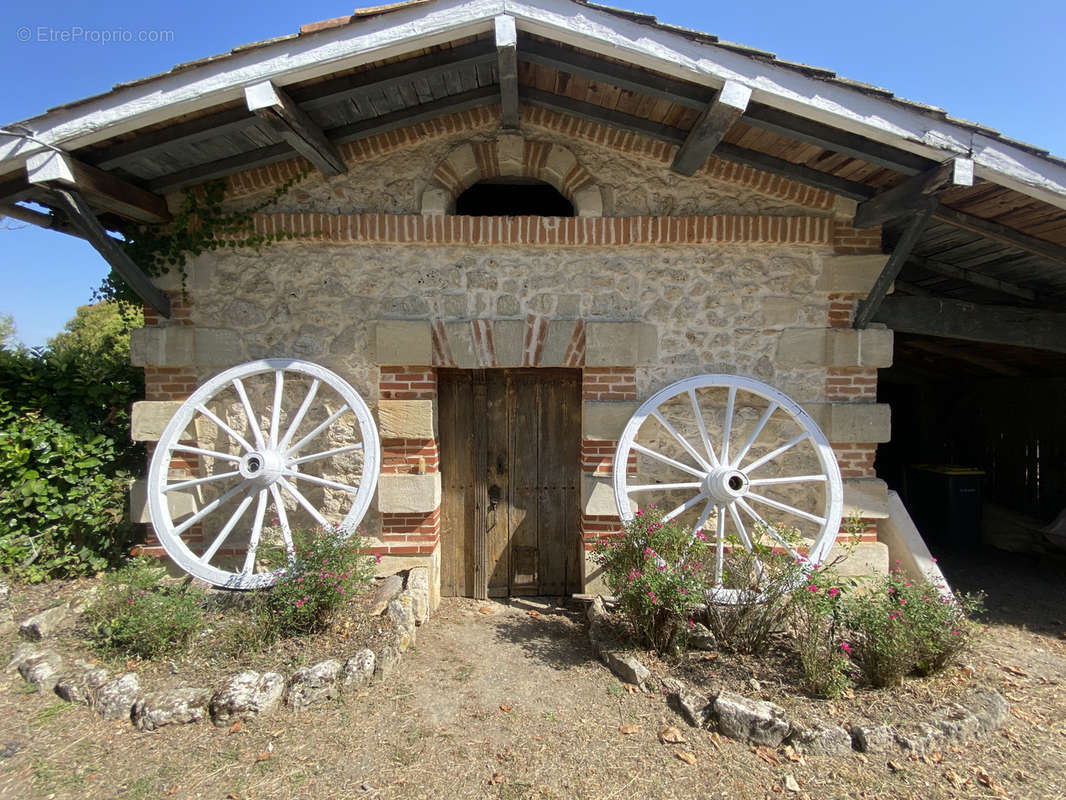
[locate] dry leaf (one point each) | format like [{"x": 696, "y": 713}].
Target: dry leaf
[
  {"x": 534, "y": 613},
  {"x": 687, "y": 757},
  {"x": 790, "y": 784},
  {"x": 1013, "y": 670},
  {"x": 496, "y": 778},
  {"x": 506, "y": 709},
  {"x": 986, "y": 779},
  {"x": 131, "y": 665},
  {"x": 485, "y": 610},
  {"x": 792, "y": 755},
  {"x": 767, "y": 755},
  {"x": 716, "y": 740},
  {"x": 936, "y": 756},
  {"x": 895, "y": 766},
  {"x": 956, "y": 780},
  {"x": 236, "y": 727},
  {"x": 262, "y": 757},
  {"x": 233, "y": 796},
  {"x": 630, "y": 688},
  {"x": 629, "y": 729},
  {"x": 671, "y": 735}
]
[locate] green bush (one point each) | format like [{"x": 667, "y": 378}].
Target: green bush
[
  {"x": 327, "y": 573},
  {"x": 138, "y": 614},
  {"x": 817, "y": 612},
  {"x": 65, "y": 452},
  {"x": 655, "y": 569}
]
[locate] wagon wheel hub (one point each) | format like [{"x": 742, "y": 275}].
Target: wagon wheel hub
[
  {"x": 262, "y": 467},
  {"x": 725, "y": 485}
]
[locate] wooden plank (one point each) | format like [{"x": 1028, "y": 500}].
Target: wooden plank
[
  {"x": 456, "y": 415},
  {"x": 1001, "y": 233},
  {"x": 71, "y": 203},
  {"x": 496, "y": 476},
  {"x": 593, "y": 113},
  {"x": 797, "y": 172},
  {"x": 976, "y": 278},
  {"x": 558, "y": 480},
  {"x": 1022, "y": 327},
  {"x": 526, "y": 543},
  {"x": 31, "y": 217},
  {"x": 54, "y": 169},
  {"x": 479, "y": 470},
  {"x": 711, "y": 127},
  {"x": 507, "y": 58},
  {"x": 912, "y": 194},
  {"x": 475, "y": 98},
  {"x": 276, "y": 108},
  {"x": 869, "y": 305}
]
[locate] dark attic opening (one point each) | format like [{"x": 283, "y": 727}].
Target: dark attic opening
[{"x": 513, "y": 197}]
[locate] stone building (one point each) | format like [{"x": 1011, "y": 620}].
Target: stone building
[{"x": 731, "y": 214}]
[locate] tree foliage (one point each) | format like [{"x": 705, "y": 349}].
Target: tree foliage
[
  {"x": 65, "y": 453},
  {"x": 7, "y": 331}
]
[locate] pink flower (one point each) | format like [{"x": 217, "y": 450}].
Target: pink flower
[
  {"x": 846, "y": 648},
  {"x": 640, "y": 513},
  {"x": 833, "y": 591},
  {"x": 701, "y": 536},
  {"x": 654, "y": 599},
  {"x": 812, "y": 589},
  {"x": 691, "y": 624}
]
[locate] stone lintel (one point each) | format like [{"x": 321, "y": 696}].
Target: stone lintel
[
  {"x": 852, "y": 422},
  {"x": 597, "y": 497},
  {"x": 620, "y": 344},
  {"x": 408, "y": 494},
  {"x": 836, "y": 347},
  {"x": 866, "y": 560},
  {"x": 866, "y": 497},
  {"x": 403, "y": 342},
  {"x": 556, "y": 341},
  {"x": 508, "y": 339},
  {"x": 605, "y": 420},
  {"x": 183, "y": 345},
  {"x": 150, "y": 417},
  {"x": 850, "y": 274},
  {"x": 407, "y": 419}
]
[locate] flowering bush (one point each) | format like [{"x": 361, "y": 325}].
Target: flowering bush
[
  {"x": 818, "y": 624},
  {"x": 327, "y": 572},
  {"x": 138, "y": 614},
  {"x": 901, "y": 626},
  {"x": 654, "y": 569}
]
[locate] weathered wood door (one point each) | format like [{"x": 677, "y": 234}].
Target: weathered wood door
[{"x": 510, "y": 470}]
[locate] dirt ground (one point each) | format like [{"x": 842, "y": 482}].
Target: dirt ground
[{"x": 496, "y": 701}]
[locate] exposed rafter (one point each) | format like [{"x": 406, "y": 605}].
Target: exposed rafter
[
  {"x": 277, "y": 109},
  {"x": 59, "y": 170},
  {"x": 1001, "y": 233},
  {"x": 869, "y": 305},
  {"x": 507, "y": 59},
  {"x": 914, "y": 193},
  {"x": 976, "y": 278},
  {"x": 73, "y": 205},
  {"x": 1023, "y": 327},
  {"x": 31, "y": 217},
  {"x": 711, "y": 127}
]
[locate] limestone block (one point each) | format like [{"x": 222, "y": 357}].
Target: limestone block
[
  {"x": 463, "y": 163},
  {"x": 780, "y": 312},
  {"x": 593, "y": 577},
  {"x": 560, "y": 332},
  {"x": 246, "y": 695},
  {"x": 852, "y": 422},
  {"x": 460, "y": 337},
  {"x": 755, "y": 721},
  {"x": 162, "y": 347},
  {"x": 868, "y": 558},
  {"x": 403, "y": 342},
  {"x": 436, "y": 201},
  {"x": 217, "y": 347},
  {"x": 844, "y": 209},
  {"x": 181, "y": 503},
  {"x": 115, "y": 699},
  {"x": 150, "y": 417},
  {"x": 408, "y": 494},
  {"x": 508, "y": 338},
  {"x": 169, "y": 281},
  {"x": 605, "y": 420},
  {"x": 835, "y": 347},
  {"x": 850, "y": 274},
  {"x": 558, "y": 165},
  {"x": 597, "y": 497},
  {"x": 174, "y": 707},
  {"x": 619, "y": 344},
  {"x": 314, "y": 684},
  {"x": 867, "y": 497},
  {"x": 588, "y": 202},
  {"x": 510, "y": 153},
  {"x": 407, "y": 419}
]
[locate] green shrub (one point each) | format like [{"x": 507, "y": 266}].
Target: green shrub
[
  {"x": 327, "y": 573},
  {"x": 138, "y": 614},
  {"x": 817, "y": 614},
  {"x": 654, "y": 569}
]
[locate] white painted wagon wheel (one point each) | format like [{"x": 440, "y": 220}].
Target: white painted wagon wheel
[
  {"x": 278, "y": 430},
  {"x": 737, "y": 450}
]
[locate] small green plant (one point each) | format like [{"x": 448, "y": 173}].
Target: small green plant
[
  {"x": 818, "y": 627},
  {"x": 139, "y": 614},
  {"x": 326, "y": 573},
  {"x": 654, "y": 569}
]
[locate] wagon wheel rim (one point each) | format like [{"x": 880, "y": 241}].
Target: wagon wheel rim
[
  {"x": 271, "y": 452},
  {"x": 725, "y": 470}
]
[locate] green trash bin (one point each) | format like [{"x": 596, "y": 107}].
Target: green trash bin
[{"x": 944, "y": 501}]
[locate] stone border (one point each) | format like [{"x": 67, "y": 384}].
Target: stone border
[
  {"x": 761, "y": 723},
  {"x": 244, "y": 695}
]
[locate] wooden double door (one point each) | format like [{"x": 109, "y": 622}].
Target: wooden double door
[{"x": 510, "y": 471}]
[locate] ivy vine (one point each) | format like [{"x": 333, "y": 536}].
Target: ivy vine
[{"x": 201, "y": 225}]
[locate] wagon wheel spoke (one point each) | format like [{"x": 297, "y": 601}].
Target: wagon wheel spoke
[
  {"x": 719, "y": 546},
  {"x": 229, "y": 431},
  {"x": 703, "y": 428},
  {"x": 798, "y": 512},
  {"x": 667, "y": 460},
  {"x": 682, "y": 441},
  {"x": 684, "y": 506},
  {"x": 742, "y": 532},
  {"x": 267, "y": 468},
  {"x": 704, "y": 515},
  {"x": 327, "y": 453},
  {"x": 754, "y": 465},
  {"x": 727, "y": 423},
  {"x": 768, "y": 528},
  {"x": 661, "y": 487},
  {"x": 755, "y": 433},
  {"x": 789, "y": 479}
]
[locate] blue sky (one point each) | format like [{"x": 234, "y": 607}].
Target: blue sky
[{"x": 1003, "y": 65}]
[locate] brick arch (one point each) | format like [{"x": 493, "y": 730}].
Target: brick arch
[{"x": 511, "y": 155}]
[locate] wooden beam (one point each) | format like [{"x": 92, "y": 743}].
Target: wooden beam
[
  {"x": 976, "y": 278},
  {"x": 220, "y": 168},
  {"x": 912, "y": 288},
  {"x": 711, "y": 127},
  {"x": 912, "y": 195},
  {"x": 800, "y": 173},
  {"x": 604, "y": 116},
  {"x": 940, "y": 348},
  {"x": 1001, "y": 233},
  {"x": 839, "y": 141},
  {"x": 71, "y": 203},
  {"x": 507, "y": 59},
  {"x": 953, "y": 319},
  {"x": 54, "y": 169},
  {"x": 31, "y": 217},
  {"x": 868, "y": 306},
  {"x": 276, "y": 108}
]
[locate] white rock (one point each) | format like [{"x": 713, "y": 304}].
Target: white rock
[
  {"x": 246, "y": 695},
  {"x": 314, "y": 684},
  {"x": 115, "y": 699},
  {"x": 172, "y": 707}
]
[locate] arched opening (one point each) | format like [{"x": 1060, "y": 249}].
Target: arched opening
[{"x": 513, "y": 197}]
